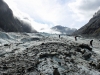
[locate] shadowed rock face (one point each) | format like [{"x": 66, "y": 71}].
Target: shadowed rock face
[
  {"x": 10, "y": 24},
  {"x": 92, "y": 28}
]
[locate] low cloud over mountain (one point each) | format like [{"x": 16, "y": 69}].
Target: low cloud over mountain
[
  {"x": 9, "y": 23},
  {"x": 63, "y": 30}
]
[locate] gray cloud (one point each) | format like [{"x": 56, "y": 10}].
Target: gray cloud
[
  {"x": 84, "y": 9},
  {"x": 47, "y": 13},
  {"x": 89, "y": 5}
]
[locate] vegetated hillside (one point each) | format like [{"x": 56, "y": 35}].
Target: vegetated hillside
[
  {"x": 9, "y": 23},
  {"x": 92, "y": 28},
  {"x": 63, "y": 30}
]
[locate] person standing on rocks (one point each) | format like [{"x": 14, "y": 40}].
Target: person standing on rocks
[
  {"x": 59, "y": 36},
  {"x": 91, "y": 43},
  {"x": 75, "y": 38}
]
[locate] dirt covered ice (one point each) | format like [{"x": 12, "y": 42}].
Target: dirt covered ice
[{"x": 48, "y": 55}]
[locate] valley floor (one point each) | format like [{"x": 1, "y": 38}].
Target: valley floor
[{"x": 39, "y": 54}]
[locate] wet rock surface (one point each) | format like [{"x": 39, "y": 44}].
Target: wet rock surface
[{"x": 60, "y": 57}]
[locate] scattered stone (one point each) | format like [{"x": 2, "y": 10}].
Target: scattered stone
[
  {"x": 43, "y": 44},
  {"x": 85, "y": 46},
  {"x": 30, "y": 69},
  {"x": 56, "y": 72},
  {"x": 80, "y": 50},
  {"x": 39, "y": 59},
  {"x": 6, "y": 45},
  {"x": 68, "y": 54},
  {"x": 92, "y": 64},
  {"x": 5, "y": 74},
  {"x": 34, "y": 39},
  {"x": 47, "y": 55},
  {"x": 87, "y": 56},
  {"x": 83, "y": 51},
  {"x": 59, "y": 63},
  {"x": 72, "y": 60},
  {"x": 98, "y": 66},
  {"x": 5, "y": 67}
]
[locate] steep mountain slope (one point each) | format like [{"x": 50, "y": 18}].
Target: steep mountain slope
[
  {"x": 92, "y": 28},
  {"x": 63, "y": 30},
  {"x": 9, "y": 23}
]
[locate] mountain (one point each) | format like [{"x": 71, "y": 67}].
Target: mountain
[
  {"x": 9, "y": 23},
  {"x": 63, "y": 30},
  {"x": 92, "y": 28}
]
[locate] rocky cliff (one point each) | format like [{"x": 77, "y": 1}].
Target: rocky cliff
[
  {"x": 92, "y": 28},
  {"x": 9, "y": 23}
]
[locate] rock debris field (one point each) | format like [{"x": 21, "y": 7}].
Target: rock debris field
[{"x": 38, "y": 54}]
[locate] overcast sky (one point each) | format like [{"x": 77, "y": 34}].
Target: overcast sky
[{"x": 47, "y": 13}]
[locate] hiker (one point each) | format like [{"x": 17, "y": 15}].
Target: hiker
[
  {"x": 59, "y": 36},
  {"x": 75, "y": 38},
  {"x": 91, "y": 43}
]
